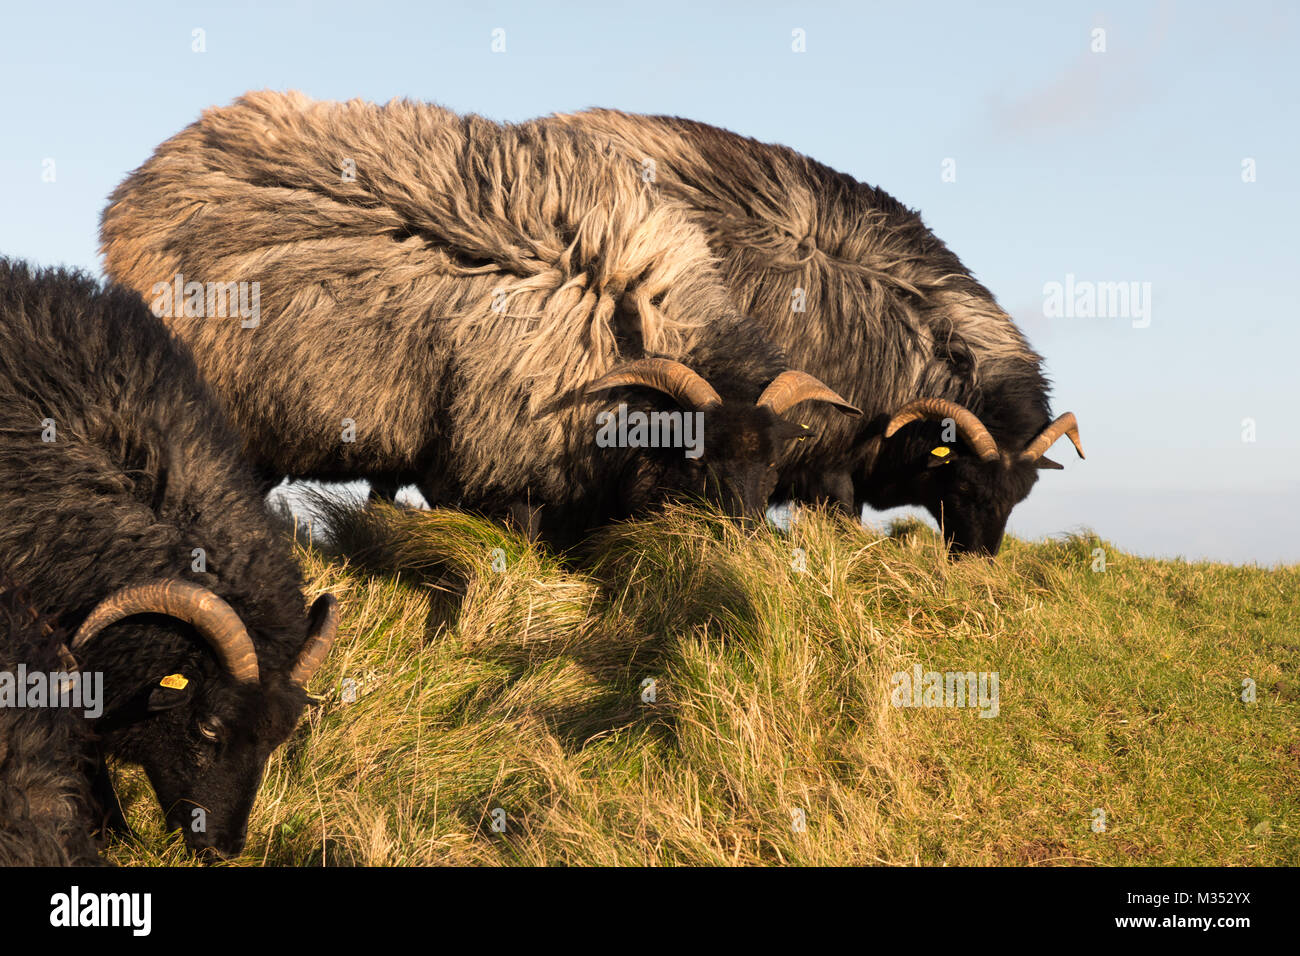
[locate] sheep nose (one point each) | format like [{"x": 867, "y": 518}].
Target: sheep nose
[{"x": 215, "y": 844}]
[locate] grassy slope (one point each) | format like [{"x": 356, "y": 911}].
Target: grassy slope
[{"x": 521, "y": 690}]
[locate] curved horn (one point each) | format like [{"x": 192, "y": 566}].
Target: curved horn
[
  {"x": 212, "y": 617},
  {"x": 937, "y": 409},
  {"x": 790, "y": 388},
  {"x": 672, "y": 378},
  {"x": 322, "y": 626},
  {"x": 1065, "y": 425}
]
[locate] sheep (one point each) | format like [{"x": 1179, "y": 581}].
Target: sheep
[
  {"x": 128, "y": 515},
  {"x": 859, "y": 292},
  {"x": 449, "y": 301}
]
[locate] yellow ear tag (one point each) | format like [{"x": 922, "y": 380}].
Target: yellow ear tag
[
  {"x": 941, "y": 452},
  {"x": 174, "y": 682}
]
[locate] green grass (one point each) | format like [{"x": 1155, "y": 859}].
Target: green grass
[{"x": 521, "y": 689}]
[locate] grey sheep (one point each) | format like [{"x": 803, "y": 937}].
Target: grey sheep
[{"x": 450, "y": 301}]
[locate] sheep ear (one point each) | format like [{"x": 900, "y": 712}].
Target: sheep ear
[
  {"x": 787, "y": 429},
  {"x": 172, "y": 691},
  {"x": 1049, "y": 464},
  {"x": 942, "y": 455}
]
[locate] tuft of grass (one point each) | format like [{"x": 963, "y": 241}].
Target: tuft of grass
[{"x": 692, "y": 691}]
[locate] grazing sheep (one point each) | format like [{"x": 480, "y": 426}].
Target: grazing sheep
[
  {"x": 859, "y": 292},
  {"x": 128, "y": 516},
  {"x": 447, "y": 300}
]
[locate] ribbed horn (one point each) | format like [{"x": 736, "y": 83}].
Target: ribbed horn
[
  {"x": 688, "y": 388},
  {"x": 322, "y": 627},
  {"x": 937, "y": 409},
  {"x": 1065, "y": 425},
  {"x": 212, "y": 617},
  {"x": 790, "y": 388}
]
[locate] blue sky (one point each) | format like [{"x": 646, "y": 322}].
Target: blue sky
[{"x": 1117, "y": 166}]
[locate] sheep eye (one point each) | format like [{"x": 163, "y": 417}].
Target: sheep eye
[{"x": 210, "y": 729}]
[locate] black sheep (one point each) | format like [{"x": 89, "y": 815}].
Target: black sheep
[
  {"x": 128, "y": 515},
  {"x": 856, "y": 289}
]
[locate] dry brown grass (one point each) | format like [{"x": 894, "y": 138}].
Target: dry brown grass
[{"x": 522, "y": 689}]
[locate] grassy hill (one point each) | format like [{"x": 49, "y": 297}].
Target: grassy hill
[{"x": 468, "y": 679}]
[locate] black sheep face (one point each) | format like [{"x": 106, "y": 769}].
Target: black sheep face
[
  {"x": 742, "y": 447},
  {"x": 737, "y": 469},
  {"x": 969, "y": 488},
  {"x": 204, "y": 747},
  {"x": 972, "y": 499},
  {"x": 735, "y": 444}
]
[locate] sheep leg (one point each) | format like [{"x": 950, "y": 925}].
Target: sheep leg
[
  {"x": 837, "y": 492},
  {"x": 833, "y": 489},
  {"x": 267, "y": 479},
  {"x": 384, "y": 489},
  {"x": 111, "y": 818},
  {"x": 527, "y": 517}
]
